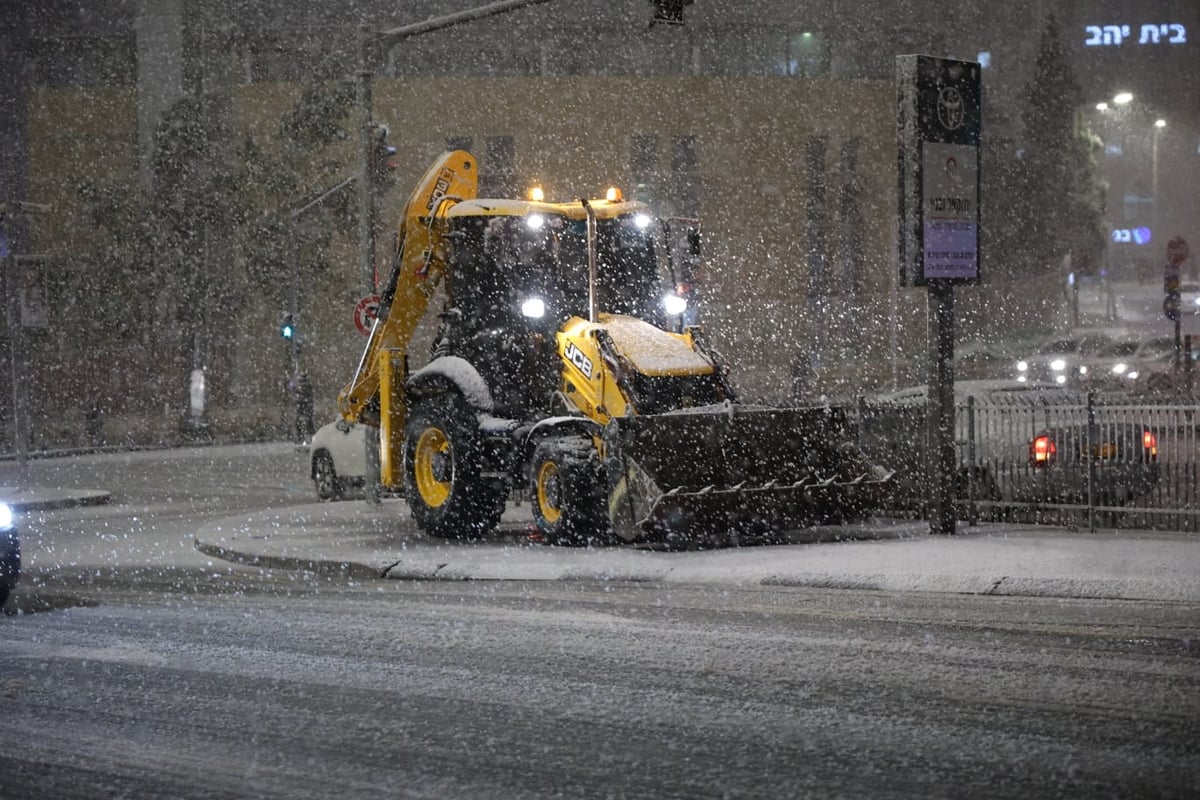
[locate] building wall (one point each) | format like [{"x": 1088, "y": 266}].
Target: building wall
[{"x": 576, "y": 136}]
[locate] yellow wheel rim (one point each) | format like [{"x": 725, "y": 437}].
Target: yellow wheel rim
[
  {"x": 432, "y": 467},
  {"x": 547, "y": 492}
]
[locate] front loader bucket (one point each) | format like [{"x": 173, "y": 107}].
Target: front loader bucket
[{"x": 733, "y": 468}]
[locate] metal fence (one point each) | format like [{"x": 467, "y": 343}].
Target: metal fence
[{"x": 1059, "y": 458}]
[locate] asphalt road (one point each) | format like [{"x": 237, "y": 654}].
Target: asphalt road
[
  {"x": 138, "y": 668},
  {"x": 277, "y": 686}
]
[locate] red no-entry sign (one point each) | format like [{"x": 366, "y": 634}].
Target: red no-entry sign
[{"x": 365, "y": 313}]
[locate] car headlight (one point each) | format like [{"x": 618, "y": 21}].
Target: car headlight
[
  {"x": 1132, "y": 376},
  {"x": 642, "y": 221},
  {"x": 1022, "y": 366},
  {"x": 1083, "y": 369},
  {"x": 1119, "y": 368},
  {"x": 674, "y": 304},
  {"x": 534, "y": 307},
  {"x": 6, "y": 516},
  {"x": 535, "y": 221},
  {"x": 1060, "y": 378},
  {"x": 1058, "y": 365}
]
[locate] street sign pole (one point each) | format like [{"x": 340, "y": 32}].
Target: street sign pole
[
  {"x": 1177, "y": 253},
  {"x": 938, "y": 130}
]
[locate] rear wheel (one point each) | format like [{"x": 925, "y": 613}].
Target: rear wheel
[
  {"x": 568, "y": 492},
  {"x": 325, "y": 478},
  {"x": 443, "y": 466}
]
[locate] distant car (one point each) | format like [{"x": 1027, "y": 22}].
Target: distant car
[
  {"x": 1019, "y": 442},
  {"x": 1106, "y": 369},
  {"x": 10, "y": 553},
  {"x": 338, "y": 459},
  {"x": 1159, "y": 375},
  {"x": 1059, "y": 359}
]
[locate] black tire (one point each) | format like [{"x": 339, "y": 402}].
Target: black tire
[
  {"x": 443, "y": 466},
  {"x": 325, "y": 478},
  {"x": 568, "y": 492}
]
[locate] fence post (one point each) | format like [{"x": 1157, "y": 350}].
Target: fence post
[
  {"x": 1091, "y": 459},
  {"x": 1187, "y": 363},
  {"x": 972, "y": 467}
]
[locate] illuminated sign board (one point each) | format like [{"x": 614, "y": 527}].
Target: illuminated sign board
[
  {"x": 938, "y": 121},
  {"x": 1131, "y": 235},
  {"x": 1110, "y": 35}
]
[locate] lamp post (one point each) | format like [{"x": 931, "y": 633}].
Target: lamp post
[{"x": 1159, "y": 124}]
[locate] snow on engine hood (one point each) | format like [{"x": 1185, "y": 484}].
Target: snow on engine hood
[{"x": 654, "y": 351}]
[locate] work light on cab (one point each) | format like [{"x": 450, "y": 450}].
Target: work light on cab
[
  {"x": 534, "y": 307},
  {"x": 674, "y": 304}
]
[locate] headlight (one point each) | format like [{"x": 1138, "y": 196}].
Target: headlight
[
  {"x": 642, "y": 221},
  {"x": 1132, "y": 376},
  {"x": 6, "y": 515},
  {"x": 1120, "y": 368},
  {"x": 535, "y": 222},
  {"x": 1083, "y": 370},
  {"x": 1022, "y": 366},
  {"x": 674, "y": 304},
  {"x": 534, "y": 308},
  {"x": 1020, "y": 379},
  {"x": 1060, "y": 378},
  {"x": 1058, "y": 365}
]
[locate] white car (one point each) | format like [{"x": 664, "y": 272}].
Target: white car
[
  {"x": 1060, "y": 360},
  {"x": 338, "y": 459}
]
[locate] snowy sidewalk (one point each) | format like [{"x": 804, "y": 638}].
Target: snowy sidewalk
[{"x": 360, "y": 540}]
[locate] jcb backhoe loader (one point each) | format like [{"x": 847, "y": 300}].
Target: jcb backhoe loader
[{"x": 557, "y": 368}]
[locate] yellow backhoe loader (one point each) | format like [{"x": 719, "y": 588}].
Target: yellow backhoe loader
[{"x": 561, "y": 366}]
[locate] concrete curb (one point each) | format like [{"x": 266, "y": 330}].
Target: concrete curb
[
  {"x": 323, "y": 567},
  {"x": 372, "y": 543},
  {"x": 23, "y": 500}
]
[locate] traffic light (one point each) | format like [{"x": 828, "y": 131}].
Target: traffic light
[
  {"x": 287, "y": 326},
  {"x": 669, "y": 12},
  {"x": 383, "y": 161}
]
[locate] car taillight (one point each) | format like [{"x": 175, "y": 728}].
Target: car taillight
[
  {"x": 1150, "y": 444},
  {"x": 1042, "y": 451}
]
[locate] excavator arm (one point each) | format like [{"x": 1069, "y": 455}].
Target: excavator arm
[{"x": 417, "y": 267}]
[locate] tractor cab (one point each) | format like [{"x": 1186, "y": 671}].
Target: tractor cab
[{"x": 518, "y": 270}]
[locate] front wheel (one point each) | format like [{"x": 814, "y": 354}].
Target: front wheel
[
  {"x": 443, "y": 471},
  {"x": 568, "y": 492}
]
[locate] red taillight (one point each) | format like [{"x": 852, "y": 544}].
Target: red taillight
[
  {"x": 1150, "y": 444},
  {"x": 1042, "y": 451}
]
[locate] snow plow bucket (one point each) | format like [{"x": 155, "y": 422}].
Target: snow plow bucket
[{"x": 713, "y": 471}]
